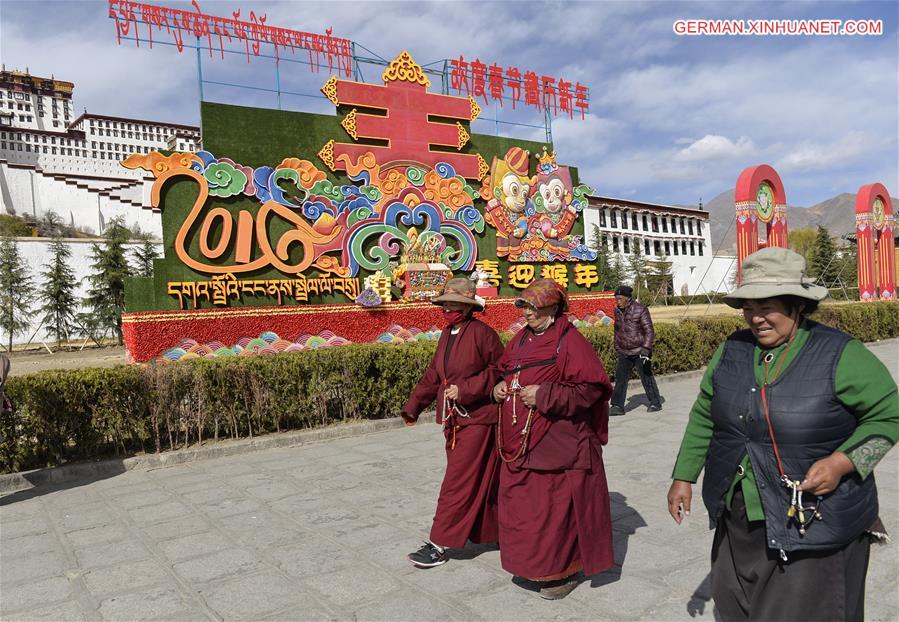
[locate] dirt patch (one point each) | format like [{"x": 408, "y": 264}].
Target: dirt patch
[
  {"x": 31, "y": 361},
  {"x": 675, "y": 313}
]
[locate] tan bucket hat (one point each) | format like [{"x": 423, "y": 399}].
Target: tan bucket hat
[
  {"x": 771, "y": 272},
  {"x": 460, "y": 289}
]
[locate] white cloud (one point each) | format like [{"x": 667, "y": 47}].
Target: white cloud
[
  {"x": 582, "y": 140},
  {"x": 816, "y": 156},
  {"x": 711, "y": 147}
]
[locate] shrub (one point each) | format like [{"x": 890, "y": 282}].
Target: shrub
[{"x": 86, "y": 414}]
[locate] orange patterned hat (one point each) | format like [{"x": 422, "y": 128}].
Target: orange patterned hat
[{"x": 543, "y": 293}]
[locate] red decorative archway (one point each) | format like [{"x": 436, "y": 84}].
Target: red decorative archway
[
  {"x": 759, "y": 197},
  {"x": 875, "y": 230}
]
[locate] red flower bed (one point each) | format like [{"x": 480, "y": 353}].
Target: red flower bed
[{"x": 148, "y": 334}]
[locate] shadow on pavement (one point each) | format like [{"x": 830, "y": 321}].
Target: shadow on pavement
[
  {"x": 701, "y": 598},
  {"x": 472, "y": 550},
  {"x": 45, "y": 481},
  {"x": 625, "y": 523},
  {"x": 639, "y": 400}
]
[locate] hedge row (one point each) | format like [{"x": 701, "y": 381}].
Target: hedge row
[{"x": 92, "y": 413}]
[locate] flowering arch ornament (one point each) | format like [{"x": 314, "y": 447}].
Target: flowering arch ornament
[
  {"x": 759, "y": 197},
  {"x": 875, "y": 231}
]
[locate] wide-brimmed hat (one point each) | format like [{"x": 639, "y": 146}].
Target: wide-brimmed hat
[
  {"x": 772, "y": 272},
  {"x": 460, "y": 289},
  {"x": 543, "y": 293}
]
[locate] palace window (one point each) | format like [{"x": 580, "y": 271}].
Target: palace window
[
  {"x": 692, "y": 249},
  {"x": 667, "y": 248},
  {"x": 645, "y": 247},
  {"x": 602, "y": 218},
  {"x": 634, "y": 222},
  {"x": 655, "y": 224},
  {"x": 700, "y": 249},
  {"x": 690, "y": 226},
  {"x": 664, "y": 225},
  {"x": 675, "y": 245},
  {"x": 627, "y": 246},
  {"x": 683, "y": 247},
  {"x": 623, "y": 220},
  {"x": 615, "y": 244},
  {"x": 657, "y": 247},
  {"x": 613, "y": 218},
  {"x": 682, "y": 225}
]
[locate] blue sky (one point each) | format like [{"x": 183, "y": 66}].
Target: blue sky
[{"x": 672, "y": 117}]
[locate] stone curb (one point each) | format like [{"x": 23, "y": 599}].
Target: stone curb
[{"x": 15, "y": 482}]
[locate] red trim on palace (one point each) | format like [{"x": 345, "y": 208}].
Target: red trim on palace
[{"x": 148, "y": 334}]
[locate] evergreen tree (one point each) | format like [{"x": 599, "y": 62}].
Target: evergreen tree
[
  {"x": 660, "y": 278},
  {"x": 16, "y": 291},
  {"x": 143, "y": 257},
  {"x": 57, "y": 297},
  {"x": 106, "y": 297},
  {"x": 617, "y": 273},
  {"x": 824, "y": 265},
  {"x": 638, "y": 268},
  {"x": 847, "y": 272}
]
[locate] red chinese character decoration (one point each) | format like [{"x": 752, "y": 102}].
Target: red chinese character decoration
[
  {"x": 543, "y": 93},
  {"x": 406, "y": 127},
  {"x": 337, "y": 52}
]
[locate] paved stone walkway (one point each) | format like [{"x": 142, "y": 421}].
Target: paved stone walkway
[{"x": 320, "y": 532}]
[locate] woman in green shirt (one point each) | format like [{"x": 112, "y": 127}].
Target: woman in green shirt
[{"x": 791, "y": 418}]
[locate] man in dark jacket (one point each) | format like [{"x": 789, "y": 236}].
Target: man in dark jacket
[{"x": 634, "y": 336}]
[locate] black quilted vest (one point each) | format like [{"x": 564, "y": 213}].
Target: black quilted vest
[{"x": 809, "y": 424}]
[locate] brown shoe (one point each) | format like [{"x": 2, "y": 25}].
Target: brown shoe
[{"x": 556, "y": 590}]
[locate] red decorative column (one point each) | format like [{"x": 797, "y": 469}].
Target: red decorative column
[
  {"x": 875, "y": 231},
  {"x": 759, "y": 197}
]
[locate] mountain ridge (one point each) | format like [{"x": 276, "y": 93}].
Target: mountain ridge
[{"x": 836, "y": 214}]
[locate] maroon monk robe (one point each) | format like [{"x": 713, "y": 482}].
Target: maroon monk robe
[
  {"x": 466, "y": 507},
  {"x": 554, "y": 511}
]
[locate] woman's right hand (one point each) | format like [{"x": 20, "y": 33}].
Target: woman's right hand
[
  {"x": 679, "y": 497},
  {"x": 500, "y": 391}
]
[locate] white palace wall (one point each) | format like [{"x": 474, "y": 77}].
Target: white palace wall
[{"x": 87, "y": 194}]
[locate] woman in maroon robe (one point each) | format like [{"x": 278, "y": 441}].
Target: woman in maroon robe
[
  {"x": 554, "y": 511},
  {"x": 461, "y": 377}
]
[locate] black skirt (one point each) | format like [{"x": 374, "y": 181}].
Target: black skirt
[{"x": 751, "y": 582}]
